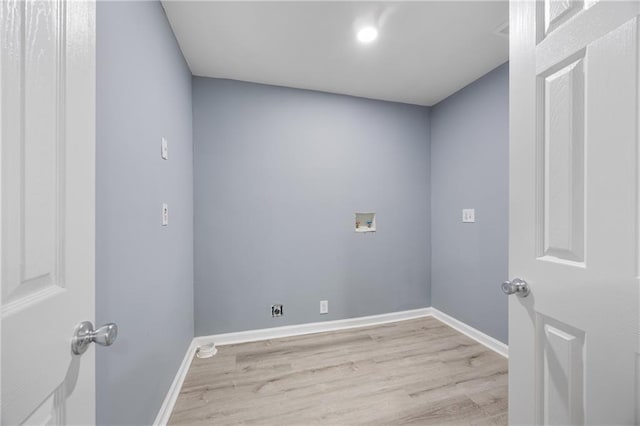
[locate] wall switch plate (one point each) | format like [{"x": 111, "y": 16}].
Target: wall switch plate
[
  {"x": 165, "y": 214},
  {"x": 468, "y": 215},
  {"x": 324, "y": 307},
  {"x": 164, "y": 149}
]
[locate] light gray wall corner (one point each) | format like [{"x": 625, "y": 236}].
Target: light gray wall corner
[
  {"x": 427, "y": 190},
  {"x": 470, "y": 169},
  {"x": 144, "y": 272},
  {"x": 279, "y": 174}
]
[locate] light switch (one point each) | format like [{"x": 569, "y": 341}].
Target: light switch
[
  {"x": 164, "y": 149},
  {"x": 468, "y": 215},
  {"x": 165, "y": 214}
]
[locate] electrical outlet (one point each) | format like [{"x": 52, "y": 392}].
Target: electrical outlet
[
  {"x": 324, "y": 307},
  {"x": 468, "y": 215},
  {"x": 276, "y": 311},
  {"x": 165, "y": 214}
]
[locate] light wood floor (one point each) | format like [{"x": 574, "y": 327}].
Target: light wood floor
[{"x": 418, "y": 371}]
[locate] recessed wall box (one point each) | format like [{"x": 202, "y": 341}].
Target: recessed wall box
[{"x": 365, "y": 222}]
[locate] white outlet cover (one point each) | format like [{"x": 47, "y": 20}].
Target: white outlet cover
[
  {"x": 324, "y": 306},
  {"x": 165, "y": 214},
  {"x": 468, "y": 215}
]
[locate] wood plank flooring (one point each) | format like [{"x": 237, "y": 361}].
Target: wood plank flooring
[{"x": 408, "y": 372}]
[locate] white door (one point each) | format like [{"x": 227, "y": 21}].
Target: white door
[
  {"x": 574, "y": 212},
  {"x": 47, "y": 209}
]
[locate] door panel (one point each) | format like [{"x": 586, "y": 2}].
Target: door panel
[
  {"x": 35, "y": 241},
  {"x": 557, "y": 12},
  {"x": 562, "y": 162},
  {"x": 560, "y": 372},
  {"x": 47, "y": 163},
  {"x": 574, "y": 212}
]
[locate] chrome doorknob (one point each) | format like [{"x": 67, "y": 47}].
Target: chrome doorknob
[
  {"x": 84, "y": 335},
  {"x": 518, "y": 286}
]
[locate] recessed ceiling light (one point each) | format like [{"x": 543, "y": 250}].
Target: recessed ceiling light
[{"x": 367, "y": 34}]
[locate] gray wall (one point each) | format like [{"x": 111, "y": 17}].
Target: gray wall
[
  {"x": 279, "y": 174},
  {"x": 144, "y": 272},
  {"x": 470, "y": 169}
]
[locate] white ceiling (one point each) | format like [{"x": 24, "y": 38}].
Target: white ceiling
[{"x": 425, "y": 51}]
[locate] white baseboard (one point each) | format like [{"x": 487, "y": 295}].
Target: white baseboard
[
  {"x": 174, "y": 390},
  {"x": 467, "y": 330},
  {"x": 316, "y": 327}
]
